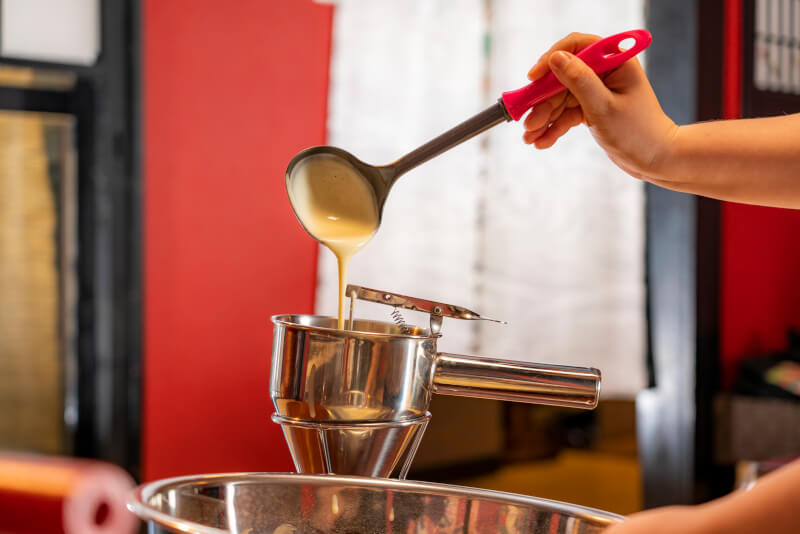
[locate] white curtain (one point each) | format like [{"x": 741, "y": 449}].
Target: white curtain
[{"x": 550, "y": 241}]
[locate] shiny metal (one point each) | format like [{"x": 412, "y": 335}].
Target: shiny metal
[
  {"x": 400, "y": 321},
  {"x": 382, "y": 178},
  {"x": 375, "y": 372},
  {"x": 272, "y": 503},
  {"x": 379, "y": 449},
  {"x": 435, "y": 309},
  {"x": 554, "y": 385}
]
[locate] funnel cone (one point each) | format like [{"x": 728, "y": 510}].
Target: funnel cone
[{"x": 373, "y": 449}]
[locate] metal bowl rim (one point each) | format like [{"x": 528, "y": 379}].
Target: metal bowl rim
[
  {"x": 280, "y": 319},
  {"x": 137, "y": 500}
]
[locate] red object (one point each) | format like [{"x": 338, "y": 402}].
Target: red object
[
  {"x": 57, "y": 495},
  {"x": 760, "y": 271},
  {"x": 602, "y": 56},
  {"x": 232, "y": 90},
  {"x": 760, "y": 282}
]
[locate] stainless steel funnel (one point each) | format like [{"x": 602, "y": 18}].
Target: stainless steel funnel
[
  {"x": 378, "y": 449},
  {"x": 377, "y": 372},
  {"x": 355, "y": 401}
]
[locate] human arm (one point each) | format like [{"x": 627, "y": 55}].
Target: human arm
[
  {"x": 754, "y": 161},
  {"x": 771, "y": 506}
]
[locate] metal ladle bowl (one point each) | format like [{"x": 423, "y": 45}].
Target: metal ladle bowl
[{"x": 381, "y": 178}]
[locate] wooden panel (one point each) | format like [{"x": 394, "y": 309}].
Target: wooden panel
[{"x": 32, "y": 289}]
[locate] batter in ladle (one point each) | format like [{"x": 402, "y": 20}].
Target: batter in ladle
[{"x": 336, "y": 205}]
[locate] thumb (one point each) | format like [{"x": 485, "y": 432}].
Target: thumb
[{"x": 582, "y": 82}]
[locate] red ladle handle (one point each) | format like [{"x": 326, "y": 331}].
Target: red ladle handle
[{"x": 602, "y": 56}]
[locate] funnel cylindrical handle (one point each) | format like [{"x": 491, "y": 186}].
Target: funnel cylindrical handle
[{"x": 554, "y": 385}]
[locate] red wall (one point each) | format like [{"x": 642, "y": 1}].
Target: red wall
[
  {"x": 760, "y": 281},
  {"x": 231, "y": 91},
  {"x": 760, "y": 272}
]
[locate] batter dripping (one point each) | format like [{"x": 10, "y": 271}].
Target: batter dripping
[{"x": 336, "y": 206}]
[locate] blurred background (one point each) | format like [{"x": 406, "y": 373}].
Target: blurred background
[{"x": 146, "y": 237}]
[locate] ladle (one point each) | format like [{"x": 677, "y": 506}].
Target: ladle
[{"x": 602, "y": 56}]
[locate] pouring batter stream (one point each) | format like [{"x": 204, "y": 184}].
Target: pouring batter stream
[{"x": 336, "y": 205}]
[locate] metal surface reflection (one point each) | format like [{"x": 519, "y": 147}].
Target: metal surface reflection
[
  {"x": 378, "y": 449},
  {"x": 379, "y": 372},
  {"x": 282, "y": 504}
]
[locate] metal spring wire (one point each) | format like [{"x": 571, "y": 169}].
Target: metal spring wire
[{"x": 398, "y": 319}]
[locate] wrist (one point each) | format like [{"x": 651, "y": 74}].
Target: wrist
[{"x": 666, "y": 158}]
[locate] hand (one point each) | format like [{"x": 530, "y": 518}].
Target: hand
[
  {"x": 621, "y": 110},
  {"x": 668, "y": 520}
]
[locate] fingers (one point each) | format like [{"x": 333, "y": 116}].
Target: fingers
[
  {"x": 553, "y": 118},
  {"x": 531, "y": 136},
  {"x": 545, "y": 113},
  {"x": 571, "y": 101},
  {"x": 539, "y": 116},
  {"x": 547, "y": 138},
  {"x": 587, "y": 88},
  {"x": 549, "y": 111},
  {"x": 574, "y": 42}
]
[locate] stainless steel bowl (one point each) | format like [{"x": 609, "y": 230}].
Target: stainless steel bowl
[{"x": 269, "y": 503}]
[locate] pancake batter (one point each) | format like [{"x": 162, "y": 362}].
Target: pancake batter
[{"x": 336, "y": 205}]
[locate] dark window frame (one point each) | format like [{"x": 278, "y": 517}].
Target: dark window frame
[
  {"x": 106, "y": 102},
  {"x": 675, "y": 417}
]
